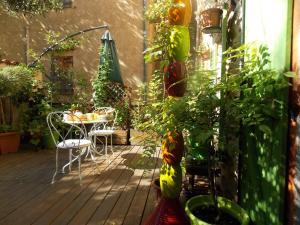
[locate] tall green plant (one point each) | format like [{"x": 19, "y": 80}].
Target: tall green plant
[
  {"x": 16, "y": 84},
  {"x": 109, "y": 93},
  {"x": 100, "y": 84}
]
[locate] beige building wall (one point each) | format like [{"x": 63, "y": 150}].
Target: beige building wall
[{"x": 124, "y": 18}]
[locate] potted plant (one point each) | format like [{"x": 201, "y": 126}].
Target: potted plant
[
  {"x": 241, "y": 93},
  {"x": 16, "y": 83}
]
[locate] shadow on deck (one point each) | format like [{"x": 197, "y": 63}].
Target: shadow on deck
[{"x": 116, "y": 193}]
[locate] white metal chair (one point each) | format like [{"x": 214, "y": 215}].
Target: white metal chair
[
  {"x": 104, "y": 128},
  {"x": 68, "y": 133}
]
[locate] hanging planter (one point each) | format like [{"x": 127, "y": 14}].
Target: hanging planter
[
  {"x": 170, "y": 180},
  {"x": 180, "y": 13},
  {"x": 180, "y": 43},
  {"x": 200, "y": 209},
  {"x": 211, "y": 20},
  {"x": 175, "y": 79},
  {"x": 172, "y": 147}
]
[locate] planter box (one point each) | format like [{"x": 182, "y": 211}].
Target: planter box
[
  {"x": 9, "y": 142},
  {"x": 121, "y": 137}
]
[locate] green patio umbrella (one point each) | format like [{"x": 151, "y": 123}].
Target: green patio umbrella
[{"x": 109, "y": 52}]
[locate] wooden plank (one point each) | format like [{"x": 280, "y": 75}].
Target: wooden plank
[
  {"x": 25, "y": 167},
  {"x": 103, "y": 199},
  {"x": 113, "y": 197},
  {"x": 67, "y": 206},
  {"x": 119, "y": 211},
  {"x": 14, "y": 163},
  {"x": 30, "y": 188},
  {"x": 152, "y": 195},
  {"x": 94, "y": 203},
  {"x": 41, "y": 202},
  {"x": 18, "y": 176},
  {"x": 136, "y": 210}
]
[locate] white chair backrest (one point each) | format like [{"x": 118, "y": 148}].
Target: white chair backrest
[
  {"x": 64, "y": 126},
  {"x": 112, "y": 115}
]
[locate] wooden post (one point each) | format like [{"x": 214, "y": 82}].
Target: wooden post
[{"x": 292, "y": 196}]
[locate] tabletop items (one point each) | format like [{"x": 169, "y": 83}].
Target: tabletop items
[{"x": 93, "y": 116}]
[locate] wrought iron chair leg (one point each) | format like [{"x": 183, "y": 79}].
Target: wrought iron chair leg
[
  {"x": 105, "y": 148},
  {"x": 65, "y": 166},
  {"x": 56, "y": 167},
  {"x": 111, "y": 145},
  {"x": 70, "y": 160},
  {"x": 79, "y": 169}
]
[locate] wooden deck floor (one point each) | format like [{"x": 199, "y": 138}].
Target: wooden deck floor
[{"x": 119, "y": 194}]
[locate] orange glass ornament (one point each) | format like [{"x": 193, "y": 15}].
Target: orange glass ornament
[{"x": 180, "y": 13}]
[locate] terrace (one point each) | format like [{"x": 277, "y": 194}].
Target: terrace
[
  {"x": 170, "y": 112},
  {"x": 114, "y": 193}
]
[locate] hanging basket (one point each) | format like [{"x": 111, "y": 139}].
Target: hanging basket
[{"x": 211, "y": 20}]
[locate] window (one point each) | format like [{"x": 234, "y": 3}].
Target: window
[
  {"x": 62, "y": 74},
  {"x": 67, "y": 3}
]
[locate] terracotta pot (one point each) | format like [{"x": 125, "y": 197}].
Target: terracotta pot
[
  {"x": 173, "y": 148},
  {"x": 180, "y": 13},
  {"x": 175, "y": 83},
  {"x": 211, "y": 20},
  {"x": 9, "y": 142},
  {"x": 180, "y": 40}
]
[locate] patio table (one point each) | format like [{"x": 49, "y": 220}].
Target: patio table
[{"x": 91, "y": 150}]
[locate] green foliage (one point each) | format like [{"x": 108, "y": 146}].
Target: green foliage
[
  {"x": 108, "y": 93},
  {"x": 158, "y": 10},
  {"x": 67, "y": 45},
  {"x": 24, "y": 103},
  {"x": 16, "y": 82},
  {"x": 247, "y": 94},
  {"x": 161, "y": 47},
  {"x": 259, "y": 86},
  {"x": 101, "y": 93},
  {"x": 30, "y": 6},
  {"x": 35, "y": 118}
]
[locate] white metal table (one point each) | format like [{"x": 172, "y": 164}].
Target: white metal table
[{"x": 92, "y": 150}]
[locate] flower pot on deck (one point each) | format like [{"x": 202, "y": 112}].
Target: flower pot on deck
[
  {"x": 199, "y": 202},
  {"x": 9, "y": 142}
]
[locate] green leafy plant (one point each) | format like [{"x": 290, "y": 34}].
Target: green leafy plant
[
  {"x": 16, "y": 84},
  {"x": 158, "y": 10},
  {"x": 38, "y": 109},
  {"x": 109, "y": 93},
  {"x": 67, "y": 45},
  {"x": 100, "y": 84}
]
